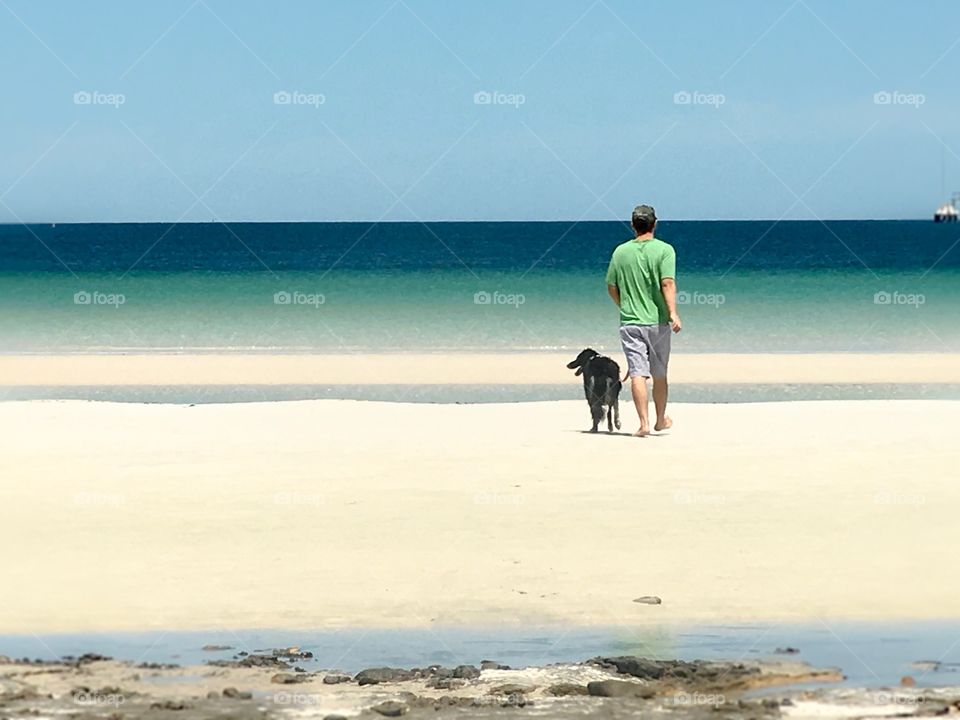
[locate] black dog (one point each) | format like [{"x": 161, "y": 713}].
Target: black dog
[{"x": 601, "y": 385}]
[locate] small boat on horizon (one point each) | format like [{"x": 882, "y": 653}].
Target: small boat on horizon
[{"x": 947, "y": 213}]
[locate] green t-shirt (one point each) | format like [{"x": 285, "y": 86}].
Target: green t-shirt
[{"x": 636, "y": 268}]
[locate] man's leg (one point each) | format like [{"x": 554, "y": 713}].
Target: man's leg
[
  {"x": 638, "y": 385},
  {"x": 660, "y": 392}
]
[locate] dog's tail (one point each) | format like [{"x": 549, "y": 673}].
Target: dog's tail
[{"x": 626, "y": 376}]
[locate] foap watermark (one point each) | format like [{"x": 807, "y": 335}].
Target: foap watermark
[
  {"x": 297, "y": 298},
  {"x": 686, "y": 699},
  {"x": 498, "y": 499},
  {"x": 495, "y": 97},
  {"x": 301, "y": 699},
  {"x": 296, "y": 97},
  {"x": 482, "y": 297},
  {"x": 899, "y": 298},
  {"x": 82, "y": 696},
  {"x": 691, "y": 497},
  {"x": 714, "y": 300},
  {"x": 98, "y": 499},
  {"x": 898, "y": 498},
  {"x": 695, "y": 97},
  {"x": 293, "y": 499},
  {"x": 95, "y": 297},
  {"x": 95, "y": 97},
  {"x": 890, "y": 697},
  {"x": 895, "y": 97}
]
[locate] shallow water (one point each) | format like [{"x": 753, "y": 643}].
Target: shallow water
[{"x": 870, "y": 655}]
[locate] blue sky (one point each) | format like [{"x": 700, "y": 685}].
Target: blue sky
[{"x": 134, "y": 111}]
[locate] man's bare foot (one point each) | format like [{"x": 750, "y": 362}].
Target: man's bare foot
[
  {"x": 642, "y": 432},
  {"x": 664, "y": 424}
]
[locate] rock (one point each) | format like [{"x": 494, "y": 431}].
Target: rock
[
  {"x": 263, "y": 661},
  {"x": 446, "y": 683},
  {"x": 213, "y": 695},
  {"x": 567, "y": 689},
  {"x": 466, "y": 672},
  {"x": 391, "y": 708},
  {"x": 907, "y": 681},
  {"x": 336, "y": 679},
  {"x": 334, "y": 717},
  {"x": 925, "y": 665},
  {"x": 636, "y": 666},
  {"x": 232, "y": 692},
  {"x": 511, "y": 689},
  {"x": 289, "y": 679},
  {"x": 648, "y": 600},
  {"x": 618, "y": 688},
  {"x": 216, "y": 648},
  {"x": 787, "y": 651},
  {"x": 493, "y": 665},
  {"x": 170, "y": 705},
  {"x": 375, "y": 676}
]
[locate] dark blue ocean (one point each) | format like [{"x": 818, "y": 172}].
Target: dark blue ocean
[{"x": 760, "y": 286}]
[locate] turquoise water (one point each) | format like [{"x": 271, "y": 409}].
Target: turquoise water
[
  {"x": 869, "y": 654},
  {"x": 746, "y": 287}
]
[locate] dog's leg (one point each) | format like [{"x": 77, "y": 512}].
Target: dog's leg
[
  {"x": 610, "y": 419},
  {"x": 596, "y": 412},
  {"x": 616, "y": 412}
]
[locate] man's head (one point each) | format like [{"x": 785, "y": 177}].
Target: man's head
[{"x": 644, "y": 219}]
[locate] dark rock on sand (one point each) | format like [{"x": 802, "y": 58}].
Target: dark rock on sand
[
  {"x": 567, "y": 689},
  {"x": 511, "y": 689},
  {"x": 446, "y": 683},
  {"x": 213, "y": 695},
  {"x": 233, "y": 693},
  {"x": 290, "y": 678},
  {"x": 375, "y": 676},
  {"x": 466, "y": 672},
  {"x": 618, "y": 688},
  {"x": 391, "y": 708},
  {"x": 336, "y": 679},
  {"x": 648, "y": 600},
  {"x": 171, "y": 705},
  {"x": 334, "y": 717},
  {"x": 216, "y": 648},
  {"x": 268, "y": 661}
]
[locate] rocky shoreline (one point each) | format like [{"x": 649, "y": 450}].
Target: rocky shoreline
[{"x": 277, "y": 684}]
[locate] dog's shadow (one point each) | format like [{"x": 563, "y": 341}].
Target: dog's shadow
[{"x": 617, "y": 434}]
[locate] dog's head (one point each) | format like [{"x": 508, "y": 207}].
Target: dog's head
[{"x": 582, "y": 359}]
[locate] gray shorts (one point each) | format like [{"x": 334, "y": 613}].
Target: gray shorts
[{"x": 647, "y": 348}]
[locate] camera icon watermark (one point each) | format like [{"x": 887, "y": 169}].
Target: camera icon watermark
[
  {"x": 895, "y": 97},
  {"x": 98, "y": 699},
  {"x": 495, "y": 97},
  {"x": 690, "y": 699},
  {"x": 714, "y": 300},
  {"x": 914, "y": 300},
  {"x": 84, "y": 297},
  {"x": 898, "y": 498},
  {"x": 499, "y": 298},
  {"x": 297, "y": 298},
  {"x": 95, "y": 97},
  {"x": 295, "y": 97},
  {"x": 691, "y": 497},
  {"x": 695, "y": 97},
  {"x": 293, "y": 499}
]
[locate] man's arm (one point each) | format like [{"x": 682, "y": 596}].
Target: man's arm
[
  {"x": 669, "y": 288},
  {"x": 614, "y": 293}
]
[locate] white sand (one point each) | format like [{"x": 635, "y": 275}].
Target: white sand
[
  {"x": 332, "y": 513},
  {"x": 461, "y": 368}
]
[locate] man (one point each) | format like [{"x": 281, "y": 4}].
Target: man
[{"x": 641, "y": 281}]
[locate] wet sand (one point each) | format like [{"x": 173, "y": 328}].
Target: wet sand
[{"x": 460, "y": 368}]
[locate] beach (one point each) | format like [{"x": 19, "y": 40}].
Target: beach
[{"x": 327, "y": 514}]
